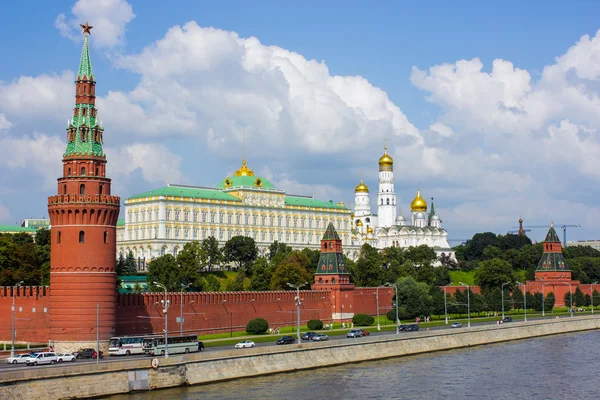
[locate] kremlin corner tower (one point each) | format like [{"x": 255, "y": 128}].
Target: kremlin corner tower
[{"x": 83, "y": 216}]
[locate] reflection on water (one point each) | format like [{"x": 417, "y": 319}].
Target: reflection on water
[{"x": 557, "y": 367}]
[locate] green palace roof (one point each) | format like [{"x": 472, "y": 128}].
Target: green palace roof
[
  {"x": 311, "y": 202},
  {"x": 246, "y": 181},
  {"x": 121, "y": 222},
  {"x": 182, "y": 191},
  {"x": 16, "y": 229}
]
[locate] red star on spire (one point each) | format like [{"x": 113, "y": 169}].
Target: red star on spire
[{"x": 86, "y": 29}]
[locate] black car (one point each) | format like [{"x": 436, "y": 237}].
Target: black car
[
  {"x": 507, "y": 319},
  {"x": 412, "y": 327},
  {"x": 200, "y": 346},
  {"x": 286, "y": 340},
  {"x": 309, "y": 335},
  {"x": 402, "y": 327},
  {"x": 87, "y": 353}
]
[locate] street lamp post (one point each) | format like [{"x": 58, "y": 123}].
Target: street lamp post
[
  {"x": 377, "y": 300},
  {"x": 166, "y": 304},
  {"x": 396, "y": 292},
  {"x": 12, "y": 347},
  {"x": 570, "y": 299},
  {"x": 468, "y": 304},
  {"x": 445, "y": 306},
  {"x": 524, "y": 298},
  {"x": 183, "y": 287},
  {"x": 543, "y": 300},
  {"x": 297, "y": 287},
  {"x": 507, "y": 283},
  {"x": 592, "y": 294}
]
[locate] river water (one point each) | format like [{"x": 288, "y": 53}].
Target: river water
[{"x": 556, "y": 367}]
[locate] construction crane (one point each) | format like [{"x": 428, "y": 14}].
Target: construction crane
[
  {"x": 515, "y": 232},
  {"x": 463, "y": 241},
  {"x": 564, "y": 228}
]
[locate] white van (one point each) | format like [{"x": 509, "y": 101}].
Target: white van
[{"x": 42, "y": 358}]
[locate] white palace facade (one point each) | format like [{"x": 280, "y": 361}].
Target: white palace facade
[{"x": 161, "y": 221}]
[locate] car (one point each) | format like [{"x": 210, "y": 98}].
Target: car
[
  {"x": 321, "y": 337},
  {"x": 364, "y": 332},
  {"x": 42, "y": 358},
  {"x": 507, "y": 319},
  {"x": 244, "y": 344},
  {"x": 65, "y": 357},
  {"x": 286, "y": 340},
  {"x": 308, "y": 335},
  {"x": 200, "y": 347},
  {"x": 412, "y": 327},
  {"x": 18, "y": 359},
  {"x": 456, "y": 325},
  {"x": 87, "y": 353},
  {"x": 354, "y": 333}
]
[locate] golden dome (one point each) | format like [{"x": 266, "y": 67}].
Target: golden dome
[
  {"x": 418, "y": 204},
  {"x": 369, "y": 230},
  {"x": 359, "y": 223},
  {"x": 386, "y": 160},
  {"x": 244, "y": 170},
  {"x": 361, "y": 187}
]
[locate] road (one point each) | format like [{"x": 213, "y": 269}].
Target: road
[{"x": 341, "y": 336}]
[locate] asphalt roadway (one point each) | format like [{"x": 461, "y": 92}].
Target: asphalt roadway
[{"x": 338, "y": 336}]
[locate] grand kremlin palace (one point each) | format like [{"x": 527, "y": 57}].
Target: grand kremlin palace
[{"x": 161, "y": 221}]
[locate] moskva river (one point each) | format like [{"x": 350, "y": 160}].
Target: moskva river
[{"x": 557, "y": 367}]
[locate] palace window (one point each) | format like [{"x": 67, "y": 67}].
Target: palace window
[
  {"x": 310, "y": 222},
  {"x": 295, "y": 238},
  {"x": 279, "y": 220},
  {"x": 271, "y": 236},
  {"x": 229, "y": 234},
  {"x": 168, "y": 231},
  {"x": 212, "y": 217},
  {"x": 246, "y": 219},
  {"x": 221, "y": 217},
  {"x": 254, "y": 219},
  {"x": 176, "y": 233},
  {"x": 203, "y": 234},
  {"x": 287, "y": 237},
  {"x": 82, "y": 171},
  {"x": 58, "y": 237},
  {"x": 186, "y": 216},
  {"x": 176, "y": 215},
  {"x": 204, "y": 213},
  {"x": 287, "y": 221},
  {"x": 82, "y": 189},
  {"x": 263, "y": 220},
  {"x": 229, "y": 218},
  {"x": 238, "y": 219},
  {"x": 186, "y": 233},
  {"x": 81, "y": 237},
  {"x": 254, "y": 235},
  {"x": 263, "y": 236},
  {"x": 195, "y": 216},
  {"x": 156, "y": 215},
  {"x": 295, "y": 222},
  {"x": 195, "y": 233},
  {"x": 271, "y": 220},
  {"x": 221, "y": 234},
  {"x": 106, "y": 237},
  {"x": 213, "y": 233},
  {"x": 168, "y": 215}
]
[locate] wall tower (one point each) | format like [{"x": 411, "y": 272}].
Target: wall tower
[{"x": 83, "y": 216}]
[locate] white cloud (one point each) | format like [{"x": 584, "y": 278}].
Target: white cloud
[
  {"x": 108, "y": 17},
  {"x": 155, "y": 162},
  {"x": 4, "y": 123},
  {"x": 5, "y": 216},
  {"x": 212, "y": 84},
  {"x": 42, "y": 96},
  {"x": 39, "y": 153}
]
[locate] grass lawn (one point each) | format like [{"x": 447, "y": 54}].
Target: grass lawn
[{"x": 460, "y": 276}]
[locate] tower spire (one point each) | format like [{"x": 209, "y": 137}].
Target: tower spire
[{"x": 85, "y": 65}]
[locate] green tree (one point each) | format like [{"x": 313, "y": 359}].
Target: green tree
[
  {"x": 596, "y": 298},
  {"x": 237, "y": 284},
  {"x": 571, "y": 252},
  {"x": 474, "y": 248},
  {"x": 262, "y": 271},
  {"x": 164, "y": 270},
  {"x": 413, "y": 298},
  {"x": 493, "y": 273},
  {"x": 289, "y": 273},
  {"x": 579, "y": 298},
  {"x": 538, "y": 301},
  {"x": 42, "y": 237},
  {"x": 427, "y": 273},
  {"x": 121, "y": 265},
  {"x": 313, "y": 259},
  {"x": 241, "y": 251},
  {"x": 567, "y": 299},
  {"x": 211, "y": 283},
  {"x": 367, "y": 272},
  {"x": 549, "y": 301},
  {"x": 214, "y": 255},
  {"x": 22, "y": 238},
  {"x": 531, "y": 301},
  {"x": 493, "y": 299},
  {"x": 437, "y": 300},
  {"x": 191, "y": 260},
  {"x": 512, "y": 241},
  {"x": 278, "y": 251},
  {"x": 130, "y": 264},
  {"x": 421, "y": 255},
  {"x": 491, "y": 252},
  {"x": 517, "y": 298}
]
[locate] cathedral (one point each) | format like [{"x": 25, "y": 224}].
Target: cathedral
[{"x": 389, "y": 228}]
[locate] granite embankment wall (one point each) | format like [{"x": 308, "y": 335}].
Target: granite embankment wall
[{"x": 90, "y": 380}]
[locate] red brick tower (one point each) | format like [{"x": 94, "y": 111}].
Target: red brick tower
[
  {"x": 83, "y": 217},
  {"x": 332, "y": 274}
]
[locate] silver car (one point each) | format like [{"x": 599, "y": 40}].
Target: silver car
[
  {"x": 18, "y": 359},
  {"x": 65, "y": 357},
  {"x": 42, "y": 358},
  {"x": 320, "y": 337}
]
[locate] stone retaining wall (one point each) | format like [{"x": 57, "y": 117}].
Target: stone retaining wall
[{"x": 89, "y": 380}]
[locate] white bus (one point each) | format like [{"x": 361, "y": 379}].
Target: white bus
[
  {"x": 126, "y": 345},
  {"x": 177, "y": 344}
]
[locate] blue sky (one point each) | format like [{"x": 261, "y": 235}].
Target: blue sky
[{"x": 492, "y": 107}]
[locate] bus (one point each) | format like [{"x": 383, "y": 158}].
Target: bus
[
  {"x": 126, "y": 345},
  {"x": 177, "y": 344}
]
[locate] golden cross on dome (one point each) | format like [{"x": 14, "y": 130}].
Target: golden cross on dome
[
  {"x": 385, "y": 143},
  {"x": 86, "y": 29}
]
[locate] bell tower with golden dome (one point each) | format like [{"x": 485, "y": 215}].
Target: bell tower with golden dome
[{"x": 386, "y": 198}]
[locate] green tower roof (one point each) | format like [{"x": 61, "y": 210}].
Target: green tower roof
[
  {"x": 331, "y": 233},
  {"x": 83, "y": 132},
  {"x": 552, "y": 236},
  {"x": 85, "y": 65},
  {"x": 332, "y": 263}
]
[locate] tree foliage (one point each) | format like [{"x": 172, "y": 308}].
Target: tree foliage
[
  {"x": 241, "y": 251},
  {"x": 23, "y": 259},
  {"x": 289, "y": 273},
  {"x": 362, "y": 320},
  {"x": 257, "y": 326}
]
